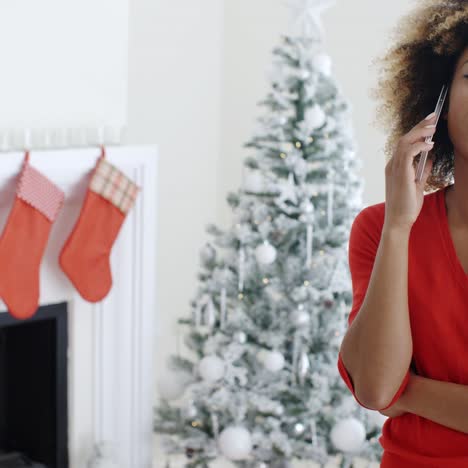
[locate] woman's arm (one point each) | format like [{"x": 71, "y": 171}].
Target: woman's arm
[
  {"x": 445, "y": 403},
  {"x": 378, "y": 346}
]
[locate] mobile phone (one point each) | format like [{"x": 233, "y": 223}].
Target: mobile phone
[{"x": 438, "y": 111}]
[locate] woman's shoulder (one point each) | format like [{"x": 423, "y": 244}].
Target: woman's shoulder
[{"x": 367, "y": 224}]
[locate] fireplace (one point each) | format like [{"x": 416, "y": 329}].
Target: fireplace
[
  {"x": 33, "y": 386},
  {"x": 109, "y": 374}
]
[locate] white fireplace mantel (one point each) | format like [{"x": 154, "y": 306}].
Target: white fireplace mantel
[{"x": 110, "y": 355}]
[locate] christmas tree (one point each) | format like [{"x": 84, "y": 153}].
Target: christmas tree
[{"x": 274, "y": 292}]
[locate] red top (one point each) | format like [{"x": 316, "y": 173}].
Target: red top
[{"x": 437, "y": 301}]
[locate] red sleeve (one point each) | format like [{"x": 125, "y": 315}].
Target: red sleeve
[{"x": 364, "y": 241}]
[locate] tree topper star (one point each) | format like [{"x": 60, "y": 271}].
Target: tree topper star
[{"x": 306, "y": 15}]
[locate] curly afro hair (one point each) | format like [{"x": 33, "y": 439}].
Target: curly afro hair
[{"x": 428, "y": 43}]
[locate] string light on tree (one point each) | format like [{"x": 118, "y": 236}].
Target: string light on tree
[{"x": 299, "y": 429}]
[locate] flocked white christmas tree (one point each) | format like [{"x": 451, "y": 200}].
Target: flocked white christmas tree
[{"x": 262, "y": 388}]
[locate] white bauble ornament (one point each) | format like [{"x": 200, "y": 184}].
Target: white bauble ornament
[
  {"x": 172, "y": 385},
  {"x": 235, "y": 442},
  {"x": 322, "y": 62},
  {"x": 273, "y": 361},
  {"x": 348, "y": 435},
  {"x": 253, "y": 181},
  {"x": 315, "y": 117},
  {"x": 265, "y": 253},
  {"x": 211, "y": 368}
]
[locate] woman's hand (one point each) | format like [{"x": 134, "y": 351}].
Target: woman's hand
[{"x": 403, "y": 195}]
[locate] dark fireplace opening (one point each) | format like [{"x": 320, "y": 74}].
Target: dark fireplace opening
[{"x": 33, "y": 389}]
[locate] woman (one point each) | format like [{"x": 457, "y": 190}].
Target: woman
[{"x": 408, "y": 256}]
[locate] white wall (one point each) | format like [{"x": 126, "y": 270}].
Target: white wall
[
  {"x": 64, "y": 65},
  {"x": 175, "y": 52}
]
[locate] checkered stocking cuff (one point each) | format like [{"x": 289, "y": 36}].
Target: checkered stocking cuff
[
  {"x": 112, "y": 184},
  {"x": 40, "y": 192}
]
